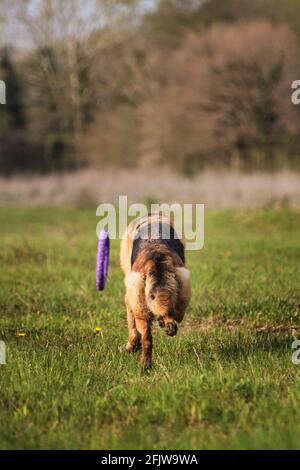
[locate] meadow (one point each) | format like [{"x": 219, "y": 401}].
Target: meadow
[{"x": 225, "y": 381}]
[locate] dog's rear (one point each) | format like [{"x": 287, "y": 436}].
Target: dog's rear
[{"x": 157, "y": 283}]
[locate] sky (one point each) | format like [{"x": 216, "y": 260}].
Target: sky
[{"x": 12, "y": 32}]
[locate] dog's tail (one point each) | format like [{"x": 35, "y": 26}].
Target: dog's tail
[{"x": 160, "y": 286}]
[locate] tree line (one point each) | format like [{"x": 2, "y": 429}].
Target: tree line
[{"x": 187, "y": 84}]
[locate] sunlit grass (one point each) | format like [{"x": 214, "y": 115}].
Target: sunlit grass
[{"x": 225, "y": 381}]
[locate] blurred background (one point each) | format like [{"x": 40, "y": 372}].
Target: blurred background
[{"x": 186, "y": 100}]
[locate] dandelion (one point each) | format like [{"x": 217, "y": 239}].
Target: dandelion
[
  {"x": 21, "y": 334},
  {"x": 98, "y": 329}
]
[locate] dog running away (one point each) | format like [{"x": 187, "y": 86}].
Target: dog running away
[{"x": 158, "y": 285}]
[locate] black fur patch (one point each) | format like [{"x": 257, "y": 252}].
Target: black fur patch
[
  {"x": 156, "y": 233},
  {"x": 158, "y": 271}
]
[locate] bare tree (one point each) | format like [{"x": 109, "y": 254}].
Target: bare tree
[{"x": 66, "y": 38}]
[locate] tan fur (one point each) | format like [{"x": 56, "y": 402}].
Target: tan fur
[{"x": 145, "y": 298}]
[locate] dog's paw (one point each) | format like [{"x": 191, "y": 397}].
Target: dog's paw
[
  {"x": 146, "y": 367},
  {"x": 171, "y": 329}
]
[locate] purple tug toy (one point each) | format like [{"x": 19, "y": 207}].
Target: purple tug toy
[{"x": 102, "y": 260}]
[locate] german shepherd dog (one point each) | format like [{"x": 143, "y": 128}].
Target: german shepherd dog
[{"x": 158, "y": 285}]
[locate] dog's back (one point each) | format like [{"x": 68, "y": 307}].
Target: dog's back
[
  {"x": 156, "y": 234},
  {"x": 152, "y": 248}
]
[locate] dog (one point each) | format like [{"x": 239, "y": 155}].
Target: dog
[{"x": 158, "y": 285}]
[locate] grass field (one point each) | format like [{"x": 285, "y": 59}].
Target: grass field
[{"x": 225, "y": 381}]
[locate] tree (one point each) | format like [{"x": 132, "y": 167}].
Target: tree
[
  {"x": 62, "y": 42},
  {"x": 68, "y": 36},
  {"x": 222, "y": 105},
  {"x": 13, "y": 112}
]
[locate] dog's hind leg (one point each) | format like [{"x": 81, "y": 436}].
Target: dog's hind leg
[
  {"x": 134, "y": 339},
  {"x": 144, "y": 328}
]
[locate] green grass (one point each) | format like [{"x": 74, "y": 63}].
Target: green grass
[{"x": 225, "y": 381}]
